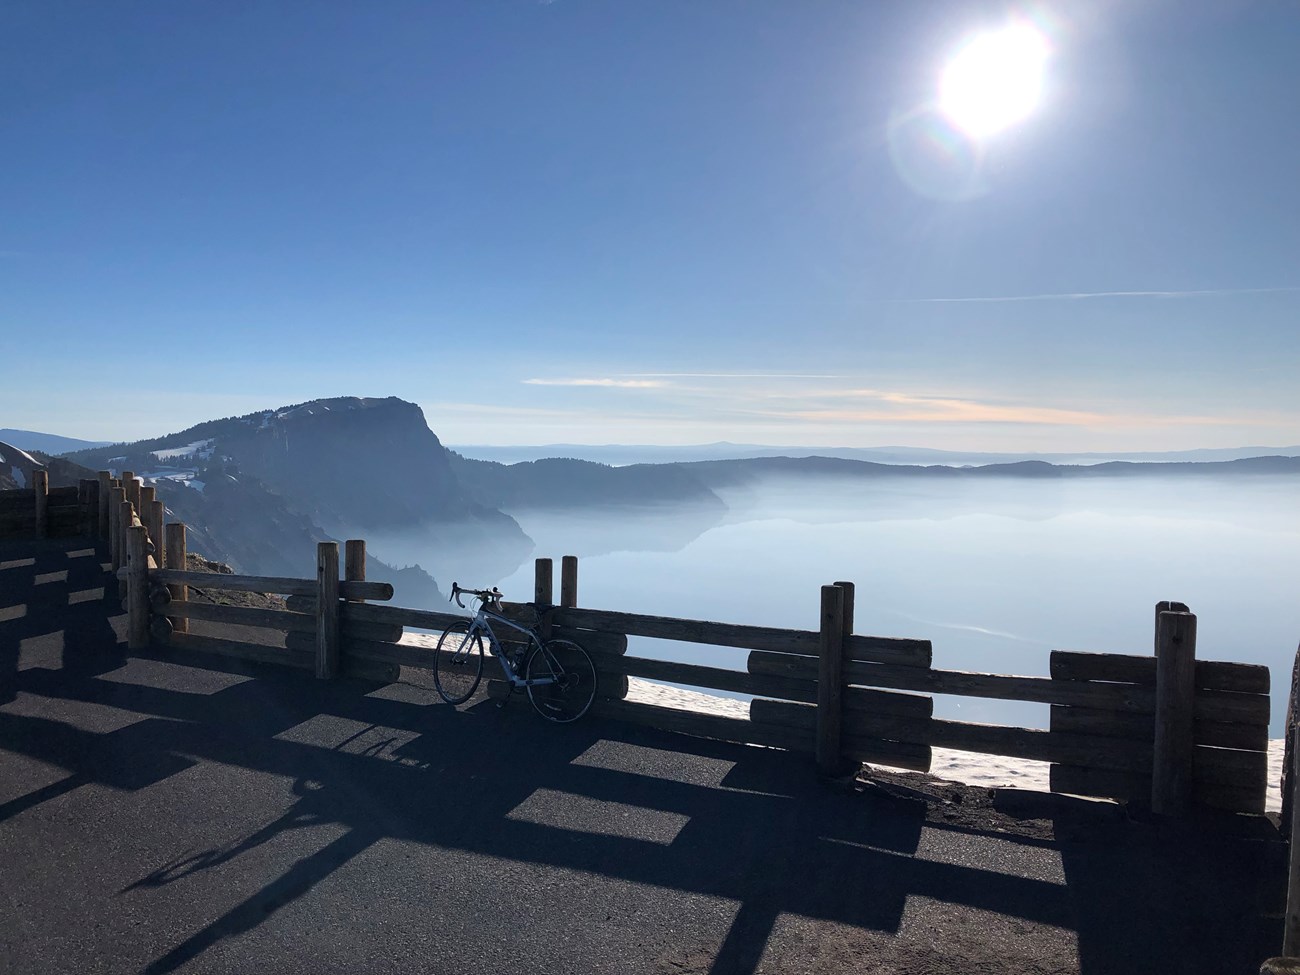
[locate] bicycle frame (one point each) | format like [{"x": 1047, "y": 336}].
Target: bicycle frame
[{"x": 482, "y": 624}]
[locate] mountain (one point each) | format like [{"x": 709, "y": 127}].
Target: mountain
[
  {"x": 46, "y": 443},
  {"x": 260, "y": 488},
  {"x": 620, "y": 454},
  {"x": 346, "y": 462},
  {"x": 16, "y": 468},
  {"x": 559, "y": 483},
  {"x": 240, "y": 521},
  {"x": 725, "y": 474}
]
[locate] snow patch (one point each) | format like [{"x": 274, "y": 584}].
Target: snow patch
[
  {"x": 201, "y": 448},
  {"x": 19, "y": 475}
]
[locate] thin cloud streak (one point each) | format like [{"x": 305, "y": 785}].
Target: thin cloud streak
[
  {"x": 1085, "y": 295},
  {"x": 604, "y": 383},
  {"x": 734, "y": 375}
]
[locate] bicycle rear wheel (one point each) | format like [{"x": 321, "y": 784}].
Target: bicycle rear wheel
[
  {"x": 458, "y": 663},
  {"x": 570, "y": 680}
]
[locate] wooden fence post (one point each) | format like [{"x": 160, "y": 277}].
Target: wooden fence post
[
  {"x": 83, "y": 506},
  {"x": 830, "y": 681},
  {"x": 1171, "y": 778},
  {"x": 327, "y": 610},
  {"x": 544, "y": 582},
  {"x": 175, "y": 545},
  {"x": 544, "y": 593},
  {"x": 154, "y": 516},
  {"x": 105, "y": 485},
  {"x": 569, "y": 582},
  {"x": 41, "y": 487},
  {"x": 116, "y": 498},
  {"x": 354, "y": 561},
  {"x": 125, "y": 519},
  {"x": 137, "y": 591},
  {"x": 1291, "y": 927},
  {"x": 849, "y": 589},
  {"x": 144, "y": 511},
  {"x": 89, "y": 506},
  {"x": 1289, "y": 778},
  {"x": 133, "y": 487}
]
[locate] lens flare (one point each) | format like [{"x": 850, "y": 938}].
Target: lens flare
[{"x": 994, "y": 80}]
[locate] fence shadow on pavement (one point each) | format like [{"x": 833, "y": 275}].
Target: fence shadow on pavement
[{"x": 501, "y": 803}]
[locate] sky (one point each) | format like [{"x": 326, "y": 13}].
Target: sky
[{"x": 588, "y": 221}]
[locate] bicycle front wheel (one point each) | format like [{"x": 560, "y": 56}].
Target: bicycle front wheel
[
  {"x": 568, "y": 680},
  {"x": 458, "y": 663}
]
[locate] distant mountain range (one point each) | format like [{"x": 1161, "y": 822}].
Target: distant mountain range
[
  {"x": 721, "y": 474},
  {"x": 620, "y": 454},
  {"x": 46, "y": 443},
  {"x": 257, "y": 491}
]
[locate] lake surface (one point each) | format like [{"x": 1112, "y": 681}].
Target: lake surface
[{"x": 996, "y": 573}]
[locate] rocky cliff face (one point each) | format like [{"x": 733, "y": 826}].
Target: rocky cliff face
[
  {"x": 264, "y": 486},
  {"x": 368, "y": 463}
]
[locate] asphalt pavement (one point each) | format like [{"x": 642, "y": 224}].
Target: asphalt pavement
[{"x": 161, "y": 813}]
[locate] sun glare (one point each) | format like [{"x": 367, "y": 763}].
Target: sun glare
[{"x": 994, "y": 80}]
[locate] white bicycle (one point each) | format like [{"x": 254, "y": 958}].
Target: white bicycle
[{"x": 557, "y": 674}]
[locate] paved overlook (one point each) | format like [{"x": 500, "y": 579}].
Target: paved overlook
[{"x": 161, "y": 813}]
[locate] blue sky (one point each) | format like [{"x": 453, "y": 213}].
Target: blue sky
[{"x": 652, "y": 222}]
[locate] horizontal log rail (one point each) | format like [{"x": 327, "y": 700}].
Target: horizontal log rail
[
  {"x": 594, "y": 641},
  {"x": 699, "y": 675},
  {"x": 1142, "y": 727},
  {"x": 237, "y": 615},
  {"x": 721, "y": 727},
  {"x": 268, "y": 584},
  {"x": 1136, "y": 787},
  {"x": 903, "y": 652},
  {"x": 296, "y": 657},
  {"x": 274, "y": 619},
  {"x": 1212, "y": 764},
  {"x": 260, "y": 653},
  {"x": 689, "y": 631},
  {"x": 420, "y": 619},
  {"x": 1217, "y": 675}
]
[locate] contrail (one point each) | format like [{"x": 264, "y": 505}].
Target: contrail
[{"x": 1083, "y": 295}]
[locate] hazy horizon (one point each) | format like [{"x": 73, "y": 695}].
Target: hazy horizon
[{"x": 997, "y": 573}]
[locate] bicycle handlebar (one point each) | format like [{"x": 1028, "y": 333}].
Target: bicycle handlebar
[{"x": 486, "y": 595}]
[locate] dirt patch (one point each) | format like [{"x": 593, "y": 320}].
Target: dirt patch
[{"x": 222, "y": 597}]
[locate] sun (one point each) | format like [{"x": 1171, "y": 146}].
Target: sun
[{"x": 994, "y": 80}]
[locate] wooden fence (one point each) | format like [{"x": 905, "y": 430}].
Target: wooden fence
[
  {"x": 40, "y": 511},
  {"x": 1165, "y": 730}
]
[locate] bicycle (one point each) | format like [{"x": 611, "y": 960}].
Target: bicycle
[{"x": 557, "y": 674}]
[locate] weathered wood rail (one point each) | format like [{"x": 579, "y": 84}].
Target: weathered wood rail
[
  {"x": 1105, "y": 708},
  {"x": 1167, "y": 730}
]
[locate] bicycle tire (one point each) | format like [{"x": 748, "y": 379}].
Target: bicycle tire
[
  {"x": 458, "y": 669},
  {"x": 573, "y": 689}
]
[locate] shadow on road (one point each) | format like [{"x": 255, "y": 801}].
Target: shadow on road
[{"x": 674, "y": 814}]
